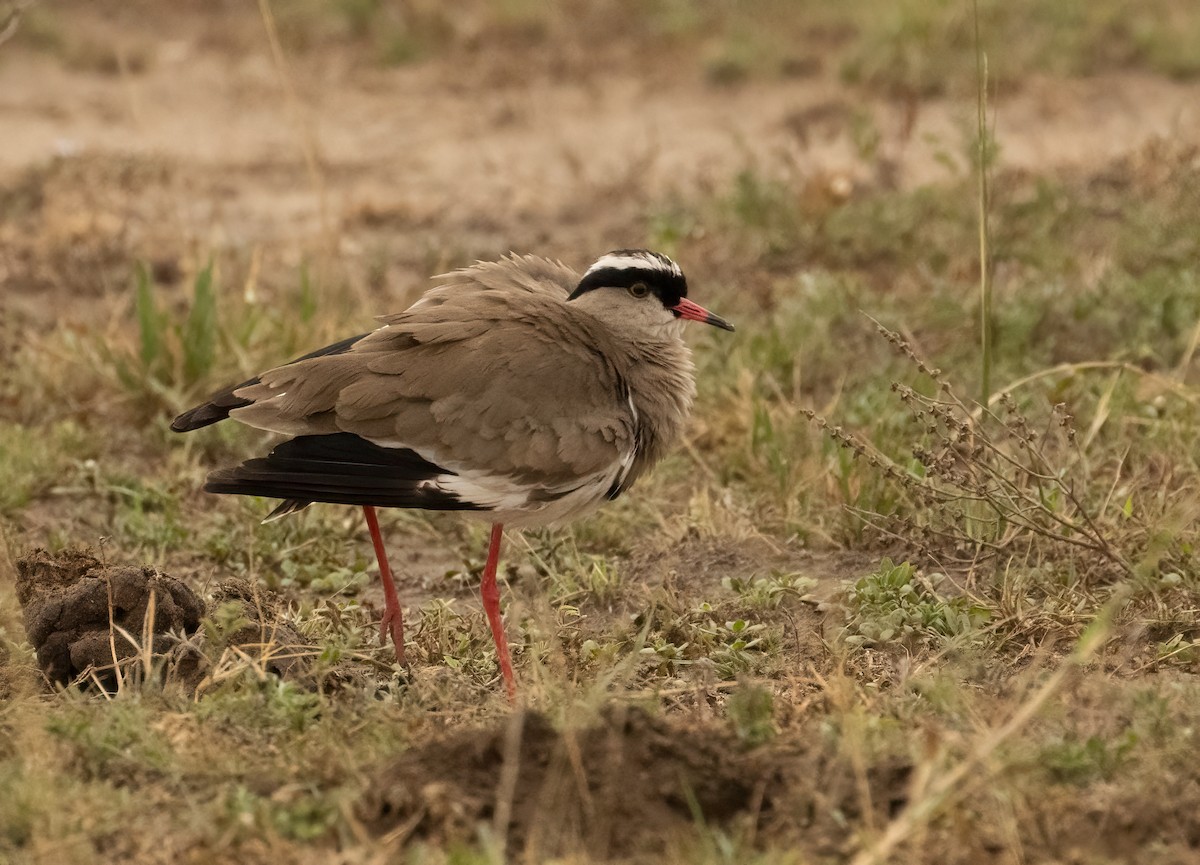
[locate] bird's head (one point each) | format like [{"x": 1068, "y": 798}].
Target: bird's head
[{"x": 638, "y": 287}]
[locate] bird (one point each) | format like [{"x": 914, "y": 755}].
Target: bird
[{"x": 516, "y": 391}]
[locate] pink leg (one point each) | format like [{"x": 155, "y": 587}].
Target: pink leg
[
  {"x": 393, "y": 617},
  {"x": 491, "y": 605}
]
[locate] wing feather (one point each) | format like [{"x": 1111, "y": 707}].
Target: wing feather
[{"x": 488, "y": 373}]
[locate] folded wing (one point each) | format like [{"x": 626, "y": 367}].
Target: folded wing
[{"x": 483, "y": 395}]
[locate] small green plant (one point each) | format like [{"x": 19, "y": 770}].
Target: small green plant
[
  {"x": 174, "y": 360},
  {"x": 312, "y": 549},
  {"x": 262, "y": 703},
  {"x": 664, "y": 656},
  {"x": 671, "y": 225},
  {"x": 766, "y": 211},
  {"x": 769, "y": 592},
  {"x": 895, "y": 604},
  {"x": 340, "y": 629},
  {"x": 171, "y": 359},
  {"x": 740, "y": 647},
  {"x": 1179, "y": 651},
  {"x": 223, "y": 622},
  {"x": 460, "y": 642},
  {"x": 146, "y": 515},
  {"x": 117, "y": 743},
  {"x": 570, "y": 574}
]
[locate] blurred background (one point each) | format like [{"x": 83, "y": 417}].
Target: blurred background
[{"x": 387, "y": 140}]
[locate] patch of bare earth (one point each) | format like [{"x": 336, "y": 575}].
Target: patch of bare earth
[{"x": 629, "y": 785}]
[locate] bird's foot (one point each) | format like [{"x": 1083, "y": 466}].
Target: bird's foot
[{"x": 392, "y": 624}]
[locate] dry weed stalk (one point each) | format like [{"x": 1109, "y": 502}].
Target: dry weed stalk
[{"x": 983, "y": 482}]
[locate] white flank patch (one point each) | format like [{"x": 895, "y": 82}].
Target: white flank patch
[
  {"x": 627, "y": 459},
  {"x": 510, "y": 502},
  {"x": 636, "y": 261},
  {"x": 495, "y": 492}
]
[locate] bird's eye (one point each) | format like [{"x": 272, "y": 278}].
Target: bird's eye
[{"x": 639, "y": 289}]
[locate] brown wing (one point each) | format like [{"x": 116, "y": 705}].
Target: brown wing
[{"x": 492, "y": 373}]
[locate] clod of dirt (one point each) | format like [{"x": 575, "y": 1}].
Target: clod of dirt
[
  {"x": 627, "y": 784},
  {"x": 71, "y": 600},
  {"x": 263, "y": 633}
]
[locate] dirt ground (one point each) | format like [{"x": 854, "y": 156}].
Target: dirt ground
[{"x": 131, "y": 135}]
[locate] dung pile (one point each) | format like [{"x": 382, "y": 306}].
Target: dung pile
[{"x": 75, "y": 609}]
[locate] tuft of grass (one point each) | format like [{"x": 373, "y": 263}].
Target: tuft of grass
[
  {"x": 147, "y": 517},
  {"x": 316, "y": 549},
  {"x": 570, "y": 575},
  {"x": 299, "y": 815},
  {"x": 458, "y": 640},
  {"x": 34, "y": 463},
  {"x": 199, "y": 334},
  {"x": 175, "y": 359},
  {"x": 263, "y": 704},
  {"x": 171, "y": 359},
  {"x": 917, "y": 48},
  {"x": 118, "y": 744}
]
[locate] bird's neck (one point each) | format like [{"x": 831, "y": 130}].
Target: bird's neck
[{"x": 662, "y": 387}]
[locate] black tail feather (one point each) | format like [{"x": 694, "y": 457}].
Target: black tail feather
[
  {"x": 218, "y": 407},
  {"x": 343, "y": 469}
]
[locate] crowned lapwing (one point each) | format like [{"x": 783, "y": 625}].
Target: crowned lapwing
[{"x": 515, "y": 391}]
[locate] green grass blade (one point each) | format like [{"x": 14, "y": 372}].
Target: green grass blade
[
  {"x": 149, "y": 321},
  {"x": 200, "y": 330}
]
